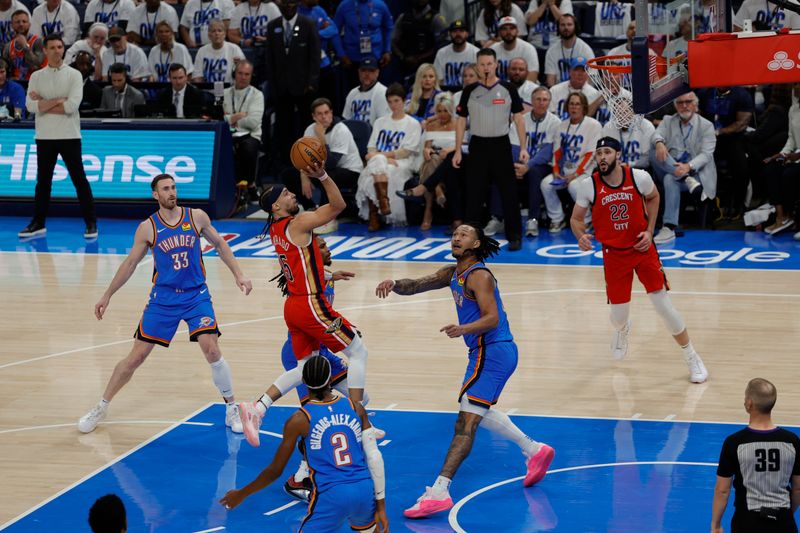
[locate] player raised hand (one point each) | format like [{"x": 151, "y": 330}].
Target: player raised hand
[
  {"x": 384, "y": 288},
  {"x": 342, "y": 275},
  {"x": 101, "y": 306},
  {"x": 644, "y": 242},
  {"x": 244, "y": 284},
  {"x": 315, "y": 170},
  {"x": 585, "y": 242}
]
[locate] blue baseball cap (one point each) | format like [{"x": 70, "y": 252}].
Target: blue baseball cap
[
  {"x": 577, "y": 62},
  {"x": 609, "y": 142},
  {"x": 369, "y": 62}
]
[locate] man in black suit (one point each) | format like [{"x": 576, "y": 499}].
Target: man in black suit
[
  {"x": 182, "y": 100},
  {"x": 292, "y": 66}
]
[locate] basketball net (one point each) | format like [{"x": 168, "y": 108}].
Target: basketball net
[{"x": 611, "y": 75}]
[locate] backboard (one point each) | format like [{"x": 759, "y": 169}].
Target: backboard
[{"x": 666, "y": 32}]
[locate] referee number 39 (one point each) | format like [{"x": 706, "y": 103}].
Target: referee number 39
[{"x": 768, "y": 460}]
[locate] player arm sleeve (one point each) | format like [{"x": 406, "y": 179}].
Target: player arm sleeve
[
  {"x": 374, "y": 462},
  {"x": 585, "y": 193},
  {"x": 643, "y": 180}
]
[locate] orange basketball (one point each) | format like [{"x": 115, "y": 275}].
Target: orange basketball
[{"x": 307, "y": 151}]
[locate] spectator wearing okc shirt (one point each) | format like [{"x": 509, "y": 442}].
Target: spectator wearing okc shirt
[
  {"x": 510, "y": 47},
  {"x": 451, "y": 59},
  {"x": 57, "y": 16},
  {"x": 542, "y": 18},
  {"x": 25, "y": 52},
  {"x": 578, "y": 82},
  {"x": 144, "y": 20},
  {"x": 367, "y": 102},
  {"x": 249, "y": 21},
  {"x": 94, "y": 44},
  {"x": 110, "y": 12},
  {"x": 128, "y": 54},
  {"x": 215, "y": 61},
  {"x": 611, "y": 19},
  {"x": 7, "y": 10},
  {"x": 196, "y": 17},
  {"x": 635, "y": 142},
  {"x": 573, "y": 160},
  {"x": 559, "y": 56},
  {"x": 765, "y": 16},
  {"x": 486, "y": 26},
  {"x": 167, "y": 53},
  {"x": 518, "y": 77}
]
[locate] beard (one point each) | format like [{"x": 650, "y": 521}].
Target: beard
[
  {"x": 609, "y": 169},
  {"x": 685, "y": 115},
  {"x": 294, "y": 210}
]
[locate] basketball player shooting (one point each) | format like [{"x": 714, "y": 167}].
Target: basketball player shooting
[
  {"x": 310, "y": 318},
  {"x": 624, "y": 203}
]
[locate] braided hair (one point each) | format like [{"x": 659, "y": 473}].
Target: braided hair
[
  {"x": 488, "y": 248},
  {"x": 317, "y": 375}
]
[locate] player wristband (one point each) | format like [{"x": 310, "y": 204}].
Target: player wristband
[
  {"x": 328, "y": 275},
  {"x": 323, "y": 177}
]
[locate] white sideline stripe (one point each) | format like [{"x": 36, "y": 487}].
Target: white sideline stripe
[
  {"x": 270, "y": 433},
  {"x": 453, "y": 516},
  {"x": 220, "y": 528},
  {"x": 385, "y": 442},
  {"x": 512, "y": 411},
  {"x": 407, "y": 302},
  {"x": 121, "y": 457},
  {"x": 73, "y": 424},
  {"x": 282, "y": 508}
]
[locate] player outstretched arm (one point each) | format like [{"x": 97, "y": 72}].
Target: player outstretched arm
[
  {"x": 142, "y": 240},
  {"x": 375, "y": 463},
  {"x": 203, "y": 223},
  {"x": 295, "y": 427},
  {"x": 307, "y": 221},
  {"x": 406, "y": 287},
  {"x": 481, "y": 284}
]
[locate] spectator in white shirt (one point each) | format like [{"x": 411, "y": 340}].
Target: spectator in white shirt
[
  {"x": 542, "y": 18},
  {"x": 145, "y": 19},
  {"x": 215, "y": 61},
  {"x": 167, "y": 53},
  {"x": 249, "y": 21},
  {"x": 559, "y": 56},
  {"x": 578, "y": 82},
  {"x": 486, "y": 27},
  {"x": 451, "y": 59},
  {"x": 636, "y": 142},
  {"x": 244, "y": 109},
  {"x": 367, "y": 102},
  {"x": 109, "y": 12},
  {"x": 518, "y": 76},
  {"x": 57, "y": 16},
  {"x": 196, "y": 17},
  {"x": 511, "y": 47},
  {"x": 611, "y": 18},
  {"x": 126, "y": 53},
  {"x": 94, "y": 45}
]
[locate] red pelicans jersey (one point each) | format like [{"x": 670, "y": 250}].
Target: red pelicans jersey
[
  {"x": 618, "y": 213},
  {"x": 302, "y": 265}
]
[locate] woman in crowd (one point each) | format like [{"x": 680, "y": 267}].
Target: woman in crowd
[
  {"x": 439, "y": 140},
  {"x": 419, "y": 103}
]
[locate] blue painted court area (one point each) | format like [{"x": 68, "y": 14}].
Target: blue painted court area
[
  {"x": 608, "y": 475},
  {"x": 696, "y": 249}
]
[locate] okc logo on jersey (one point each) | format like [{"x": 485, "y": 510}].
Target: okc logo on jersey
[
  {"x": 361, "y": 109},
  {"x": 202, "y": 17},
  {"x": 535, "y": 138},
  {"x": 458, "y": 298},
  {"x": 215, "y": 69},
  {"x": 388, "y": 141},
  {"x": 6, "y": 32},
  {"x": 206, "y": 321},
  {"x": 611, "y": 13},
  {"x": 147, "y": 30},
  {"x": 254, "y": 26},
  {"x": 452, "y": 74},
  {"x": 186, "y": 226},
  {"x": 108, "y": 18},
  {"x": 52, "y": 27},
  {"x": 774, "y": 22},
  {"x": 571, "y": 146},
  {"x": 630, "y": 151}
]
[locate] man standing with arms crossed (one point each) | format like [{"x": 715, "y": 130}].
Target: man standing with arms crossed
[{"x": 54, "y": 95}]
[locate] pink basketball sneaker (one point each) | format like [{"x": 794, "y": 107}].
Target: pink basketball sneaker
[
  {"x": 538, "y": 464},
  {"x": 431, "y": 502},
  {"x": 251, "y": 421}
]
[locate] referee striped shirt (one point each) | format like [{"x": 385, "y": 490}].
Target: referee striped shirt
[
  {"x": 762, "y": 464},
  {"x": 489, "y": 108}
]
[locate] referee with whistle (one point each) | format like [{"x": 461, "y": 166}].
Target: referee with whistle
[
  {"x": 763, "y": 462},
  {"x": 490, "y": 105}
]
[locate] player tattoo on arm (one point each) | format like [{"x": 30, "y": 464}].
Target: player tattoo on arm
[
  {"x": 461, "y": 445},
  {"x": 437, "y": 280}
]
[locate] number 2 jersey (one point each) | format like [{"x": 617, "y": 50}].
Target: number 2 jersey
[
  {"x": 763, "y": 463},
  {"x": 302, "y": 265},
  {"x": 177, "y": 256},
  {"x": 333, "y": 446}
]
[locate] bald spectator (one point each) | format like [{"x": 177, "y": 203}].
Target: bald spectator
[
  {"x": 518, "y": 76},
  {"x": 128, "y": 54},
  {"x": 57, "y": 16},
  {"x": 511, "y": 46},
  {"x": 243, "y": 105},
  {"x": 144, "y": 20},
  {"x": 25, "y": 52}
]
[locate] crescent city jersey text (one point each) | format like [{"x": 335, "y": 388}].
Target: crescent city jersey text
[
  {"x": 302, "y": 265},
  {"x": 177, "y": 257},
  {"x": 469, "y": 311},
  {"x": 333, "y": 446}
]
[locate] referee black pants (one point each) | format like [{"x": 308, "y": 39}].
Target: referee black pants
[
  {"x": 47, "y": 152},
  {"x": 753, "y": 522},
  {"x": 490, "y": 162},
  {"x": 245, "y": 152}
]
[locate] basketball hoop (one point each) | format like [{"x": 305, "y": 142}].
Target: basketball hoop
[{"x": 611, "y": 75}]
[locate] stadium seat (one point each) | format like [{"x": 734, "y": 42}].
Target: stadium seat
[{"x": 361, "y": 131}]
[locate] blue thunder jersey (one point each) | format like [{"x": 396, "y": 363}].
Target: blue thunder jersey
[
  {"x": 468, "y": 310},
  {"x": 333, "y": 445},
  {"x": 177, "y": 258}
]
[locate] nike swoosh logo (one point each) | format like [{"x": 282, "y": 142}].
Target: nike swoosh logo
[
  {"x": 204, "y": 290},
  {"x": 160, "y": 230},
  {"x": 629, "y": 187}
]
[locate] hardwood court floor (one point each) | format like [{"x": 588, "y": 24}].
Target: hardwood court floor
[{"x": 55, "y": 358}]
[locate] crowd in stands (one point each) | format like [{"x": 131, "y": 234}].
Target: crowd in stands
[{"x": 393, "y": 71}]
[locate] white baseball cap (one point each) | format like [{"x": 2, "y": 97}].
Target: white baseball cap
[{"x": 507, "y": 20}]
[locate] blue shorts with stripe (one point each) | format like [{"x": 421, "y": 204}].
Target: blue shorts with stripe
[
  {"x": 338, "y": 366},
  {"x": 351, "y": 502},
  {"x": 167, "y": 307},
  {"x": 489, "y": 369}
]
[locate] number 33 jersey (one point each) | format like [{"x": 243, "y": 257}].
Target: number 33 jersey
[
  {"x": 333, "y": 446},
  {"x": 177, "y": 257}
]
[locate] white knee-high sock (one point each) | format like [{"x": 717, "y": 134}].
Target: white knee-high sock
[
  {"x": 356, "y": 354},
  {"x": 619, "y": 315},
  {"x": 221, "y": 374},
  {"x": 669, "y": 315},
  {"x": 499, "y": 422}
]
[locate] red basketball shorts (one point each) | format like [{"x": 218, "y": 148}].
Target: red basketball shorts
[
  {"x": 619, "y": 266},
  {"x": 313, "y": 321}
]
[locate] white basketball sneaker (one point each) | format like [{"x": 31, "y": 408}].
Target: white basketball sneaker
[
  {"x": 89, "y": 421},
  {"x": 493, "y": 227},
  {"x": 697, "y": 370},
  {"x": 232, "y": 419},
  {"x": 619, "y": 344}
]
